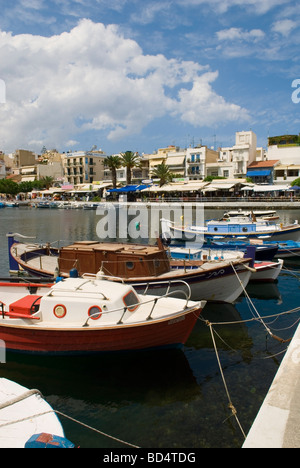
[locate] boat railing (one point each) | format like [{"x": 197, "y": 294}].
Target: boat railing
[{"x": 146, "y": 284}]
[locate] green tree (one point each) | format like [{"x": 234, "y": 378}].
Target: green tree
[
  {"x": 113, "y": 163},
  {"x": 163, "y": 173},
  {"x": 130, "y": 160},
  {"x": 296, "y": 182},
  {"x": 9, "y": 187}
]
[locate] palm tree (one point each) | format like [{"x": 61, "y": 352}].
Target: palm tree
[
  {"x": 163, "y": 173},
  {"x": 47, "y": 181},
  {"x": 113, "y": 163},
  {"x": 130, "y": 160}
]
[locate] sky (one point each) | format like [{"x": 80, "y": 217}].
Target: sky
[{"x": 139, "y": 75}]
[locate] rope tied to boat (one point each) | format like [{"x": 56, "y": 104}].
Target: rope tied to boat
[
  {"x": 32, "y": 392},
  {"x": 19, "y": 398},
  {"x": 230, "y": 404},
  {"x": 281, "y": 340}
]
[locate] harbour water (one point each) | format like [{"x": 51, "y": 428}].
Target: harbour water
[{"x": 160, "y": 399}]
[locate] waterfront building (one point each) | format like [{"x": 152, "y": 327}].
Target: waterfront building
[
  {"x": 286, "y": 149},
  {"x": 262, "y": 172},
  {"x": 83, "y": 166},
  {"x": 172, "y": 156},
  {"x": 201, "y": 162}
]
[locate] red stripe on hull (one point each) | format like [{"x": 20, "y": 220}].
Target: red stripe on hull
[{"x": 90, "y": 340}]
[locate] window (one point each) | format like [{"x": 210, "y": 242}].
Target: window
[{"x": 131, "y": 301}]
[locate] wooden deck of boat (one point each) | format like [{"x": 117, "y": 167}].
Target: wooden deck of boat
[{"x": 44, "y": 262}]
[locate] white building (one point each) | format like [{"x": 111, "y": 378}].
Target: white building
[{"x": 285, "y": 149}]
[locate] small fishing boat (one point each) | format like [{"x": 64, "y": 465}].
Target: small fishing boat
[
  {"x": 233, "y": 228},
  {"x": 263, "y": 214},
  {"x": 134, "y": 264},
  {"x": 263, "y": 250},
  {"x": 263, "y": 271},
  {"x": 267, "y": 271},
  {"x": 11, "y": 204},
  {"x": 287, "y": 249},
  {"x": 27, "y": 420},
  {"x": 92, "y": 315}
]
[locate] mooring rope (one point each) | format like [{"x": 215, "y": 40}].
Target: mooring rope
[
  {"x": 37, "y": 392},
  {"x": 281, "y": 340},
  {"x": 230, "y": 404}
]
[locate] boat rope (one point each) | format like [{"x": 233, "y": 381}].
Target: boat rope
[
  {"x": 281, "y": 340},
  {"x": 35, "y": 392},
  {"x": 21, "y": 397},
  {"x": 230, "y": 404}
]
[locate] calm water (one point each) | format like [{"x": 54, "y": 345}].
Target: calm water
[{"x": 162, "y": 399}]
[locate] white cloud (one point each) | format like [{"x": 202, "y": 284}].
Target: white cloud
[
  {"x": 203, "y": 106},
  {"x": 92, "y": 78},
  {"x": 233, "y": 34},
  {"x": 222, "y": 6},
  {"x": 284, "y": 27}
]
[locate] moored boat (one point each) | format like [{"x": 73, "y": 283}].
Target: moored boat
[
  {"x": 263, "y": 214},
  {"x": 134, "y": 264},
  {"x": 26, "y": 417},
  {"x": 233, "y": 228},
  {"x": 92, "y": 315}
]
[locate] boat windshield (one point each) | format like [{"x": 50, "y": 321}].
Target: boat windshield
[{"x": 131, "y": 301}]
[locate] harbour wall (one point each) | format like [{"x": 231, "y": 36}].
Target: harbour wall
[{"x": 277, "y": 424}]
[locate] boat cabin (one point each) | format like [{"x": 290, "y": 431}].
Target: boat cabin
[
  {"x": 230, "y": 228},
  {"x": 114, "y": 259}
]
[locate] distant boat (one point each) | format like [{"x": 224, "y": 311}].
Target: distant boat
[
  {"x": 11, "y": 204},
  {"x": 47, "y": 204},
  {"x": 233, "y": 228},
  {"x": 27, "y": 420},
  {"x": 263, "y": 214}
]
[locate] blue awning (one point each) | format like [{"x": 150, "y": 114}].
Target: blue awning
[
  {"x": 128, "y": 188},
  {"x": 257, "y": 173}
]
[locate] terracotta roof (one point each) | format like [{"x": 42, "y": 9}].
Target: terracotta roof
[{"x": 270, "y": 163}]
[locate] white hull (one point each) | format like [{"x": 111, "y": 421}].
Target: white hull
[
  {"x": 267, "y": 271},
  {"x": 25, "y": 416}
]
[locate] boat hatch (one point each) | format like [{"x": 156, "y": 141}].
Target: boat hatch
[
  {"x": 25, "y": 307},
  {"x": 131, "y": 301}
]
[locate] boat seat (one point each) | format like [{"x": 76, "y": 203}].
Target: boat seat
[{"x": 25, "y": 307}]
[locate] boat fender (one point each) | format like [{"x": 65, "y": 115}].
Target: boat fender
[
  {"x": 58, "y": 279},
  {"x": 74, "y": 273},
  {"x": 45, "y": 440}
]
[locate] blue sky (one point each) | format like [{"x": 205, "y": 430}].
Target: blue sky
[{"x": 141, "y": 75}]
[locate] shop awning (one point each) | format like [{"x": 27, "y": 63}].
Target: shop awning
[
  {"x": 270, "y": 188},
  {"x": 128, "y": 188},
  {"x": 257, "y": 173}
]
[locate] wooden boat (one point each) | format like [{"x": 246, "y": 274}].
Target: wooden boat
[
  {"x": 134, "y": 264},
  {"x": 25, "y": 416},
  {"x": 91, "y": 315},
  {"x": 233, "y": 228}
]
